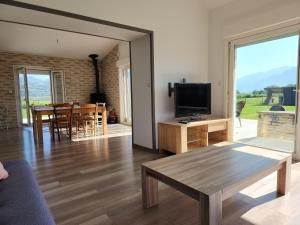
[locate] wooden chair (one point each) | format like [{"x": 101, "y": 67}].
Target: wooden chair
[
  {"x": 99, "y": 116},
  {"x": 239, "y": 108},
  {"x": 88, "y": 116},
  {"x": 62, "y": 120},
  {"x": 46, "y": 122}
]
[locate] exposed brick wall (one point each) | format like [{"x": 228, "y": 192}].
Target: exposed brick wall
[
  {"x": 79, "y": 78},
  {"x": 110, "y": 79}
]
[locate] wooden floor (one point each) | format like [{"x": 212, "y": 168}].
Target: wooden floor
[{"x": 98, "y": 182}]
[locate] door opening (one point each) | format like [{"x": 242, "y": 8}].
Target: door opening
[
  {"x": 37, "y": 87},
  {"x": 265, "y": 93}
]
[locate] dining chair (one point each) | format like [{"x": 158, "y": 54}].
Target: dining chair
[
  {"x": 99, "y": 116},
  {"x": 62, "y": 120},
  {"x": 239, "y": 108},
  {"x": 46, "y": 121},
  {"x": 87, "y": 117}
]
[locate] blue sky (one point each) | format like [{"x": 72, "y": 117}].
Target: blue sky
[{"x": 266, "y": 56}]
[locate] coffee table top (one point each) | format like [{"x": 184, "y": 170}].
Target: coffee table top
[{"x": 226, "y": 167}]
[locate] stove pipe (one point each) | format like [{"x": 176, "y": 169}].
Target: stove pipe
[{"x": 95, "y": 63}]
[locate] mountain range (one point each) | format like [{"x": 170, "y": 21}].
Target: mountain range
[
  {"x": 38, "y": 86},
  {"x": 281, "y": 77}
]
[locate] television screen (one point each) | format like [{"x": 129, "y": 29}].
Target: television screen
[{"x": 192, "y": 99}]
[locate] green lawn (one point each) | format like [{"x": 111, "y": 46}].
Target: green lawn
[
  {"x": 255, "y": 104},
  {"x": 34, "y": 102}
]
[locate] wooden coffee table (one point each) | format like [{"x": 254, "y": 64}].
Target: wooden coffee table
[{"x": 214, "y": 174}]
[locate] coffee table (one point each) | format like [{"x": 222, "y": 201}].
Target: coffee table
[{"x": 214, "y": 174}]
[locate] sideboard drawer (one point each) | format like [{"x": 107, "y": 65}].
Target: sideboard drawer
[{"x": 217, "y": 126}]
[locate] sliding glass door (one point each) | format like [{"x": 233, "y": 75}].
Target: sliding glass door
[
  {"x": 265, "y": 84},
  {"x": 23, "y": 96},
  {"x": 35, "y": 88}
]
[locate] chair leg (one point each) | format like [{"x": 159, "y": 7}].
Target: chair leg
[
  {"x": 94, "y": 128},
  {"x": 70, "y": 131},
  {"x": 58, "y": 132},
  {"x": 52, "y": 132},
  {"x": 84, "y": 128},
  {"x": 77, "y": 129},
  {"x": 240, "y": 121}
]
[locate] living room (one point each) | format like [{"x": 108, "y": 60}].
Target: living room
[{"x": 93, "y": 182}]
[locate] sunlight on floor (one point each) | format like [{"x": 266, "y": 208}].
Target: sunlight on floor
[
  {"x": 114, "y": 130},
  {"x": 247, "y": 134}
]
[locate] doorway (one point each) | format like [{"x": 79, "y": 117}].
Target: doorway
[
  {"x": 265, "y": 84},
  {"x": 37, "y": 87},
  {"x": 141, "y": 43}
]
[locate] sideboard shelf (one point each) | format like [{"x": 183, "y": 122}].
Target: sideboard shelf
[{"x": 178, "y": 138}]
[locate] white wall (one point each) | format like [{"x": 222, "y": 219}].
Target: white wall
[
  {"x": 180, "y": 36},
  {"x": 234, "y": 19}
]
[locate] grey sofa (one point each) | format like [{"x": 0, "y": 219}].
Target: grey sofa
[{"x": 21, "y": 201}]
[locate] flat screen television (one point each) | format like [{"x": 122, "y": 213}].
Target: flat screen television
[{"x": 192, "y": 99}]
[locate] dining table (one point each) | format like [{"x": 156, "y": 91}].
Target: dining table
[{"x": 39, "y": 111}]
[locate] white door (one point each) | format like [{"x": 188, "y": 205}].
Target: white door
[{"x": 58, "y": 86}]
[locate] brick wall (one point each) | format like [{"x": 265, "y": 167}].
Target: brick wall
[
  {"x": 79, "y": 78},
  {"x": 110, "y": 79}
]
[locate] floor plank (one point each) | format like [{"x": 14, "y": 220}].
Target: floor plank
[{"x": 99, "y": 182}]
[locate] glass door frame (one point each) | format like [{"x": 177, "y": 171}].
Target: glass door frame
[
  {"x": 124, "y": 118},
  {"x": 231, "y": 45},
  {"x": 25, "y": 70}
]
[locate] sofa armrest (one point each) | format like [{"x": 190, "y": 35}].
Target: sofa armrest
[{"x": 21, "y": 201}]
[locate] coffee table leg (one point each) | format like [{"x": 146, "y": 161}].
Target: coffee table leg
[
  {"x": 284, "y": 177},
  {"x": 149, "y": 189},
  {"x": 210, "y": 209}
]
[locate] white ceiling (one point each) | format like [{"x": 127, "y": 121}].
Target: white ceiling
[
  {"x": 48, "y": 42},
  {"x": 37, "y": 18},
  {"x": 213, "y": 4}
]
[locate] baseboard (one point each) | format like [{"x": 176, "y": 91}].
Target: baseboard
[{"x": 144, "y": 148}]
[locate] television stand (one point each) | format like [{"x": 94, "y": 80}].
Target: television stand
[
  {"x": 179, "y": 137},
  {"x": 191, "y": 119}
]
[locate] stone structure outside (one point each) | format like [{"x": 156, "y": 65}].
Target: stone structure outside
[{"x": 276, "y": 124}]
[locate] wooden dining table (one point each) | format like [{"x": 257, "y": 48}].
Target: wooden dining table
[{"x": 39, "y": 111}]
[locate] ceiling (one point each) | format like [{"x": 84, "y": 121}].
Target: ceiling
[
  {"x": 39, "y": 18},
  {"x": 49, "y": 42},
  {"x": 213, "y": 4}
]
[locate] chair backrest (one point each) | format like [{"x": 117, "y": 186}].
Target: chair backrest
[
  {"x": 101, "y": 104},
  {"x": 76, "y": 103},
  {"x": 63, "y": 111},
  {"x": 239, "y": 107},
  {"x": 277, "y": 107},
  {"x": 88, "y": 109}
]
